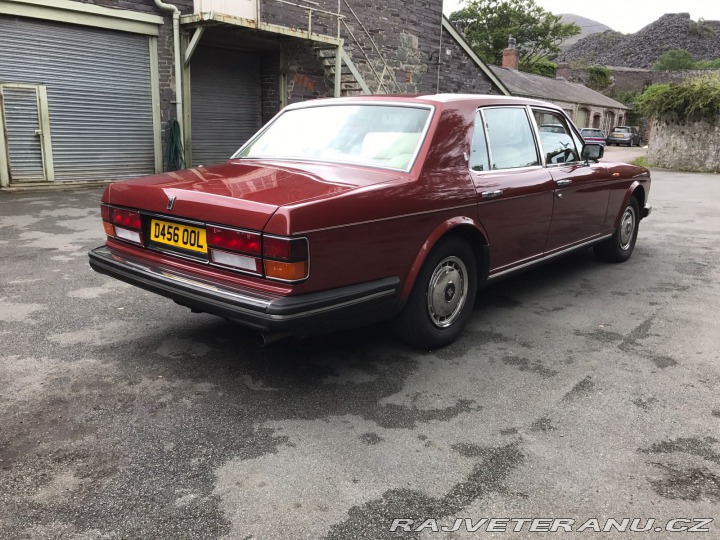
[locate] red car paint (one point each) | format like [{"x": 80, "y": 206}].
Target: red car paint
[{"x": 364, "y": 223}]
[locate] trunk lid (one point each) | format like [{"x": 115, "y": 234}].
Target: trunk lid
[{"x": 240, "y": 194}]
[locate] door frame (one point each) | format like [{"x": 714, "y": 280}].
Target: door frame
[{"x": 43, "y": 128}]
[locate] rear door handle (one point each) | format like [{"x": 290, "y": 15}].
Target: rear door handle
[
  {"x": 564, "y": 182},
  {"x": 491, "y": 194}
]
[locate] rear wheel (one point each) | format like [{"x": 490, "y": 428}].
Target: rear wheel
[
  {"x": 442, "y": 298},
  {"x": 620, "y": 245}
]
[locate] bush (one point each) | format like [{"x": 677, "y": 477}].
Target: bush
[
  {"x": 600, "y": 77},
  {"x": 674, "y": 59},
  {"x": 694, "y": 98},
  {"x": 708, "y": 64}
]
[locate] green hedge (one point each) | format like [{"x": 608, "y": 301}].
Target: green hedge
[{"x": 693, "y": 99}]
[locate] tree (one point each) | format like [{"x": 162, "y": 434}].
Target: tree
[
  {"x": 487, "y": 25},
  {"x": 674, "y": 59}
]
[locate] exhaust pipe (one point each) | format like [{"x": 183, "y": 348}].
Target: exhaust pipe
[{"x": 264, "y": 340}]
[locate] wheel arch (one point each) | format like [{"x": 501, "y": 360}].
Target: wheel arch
[
  {"x": 463, "y": 227},
  {"x": 635, "y": 190}
]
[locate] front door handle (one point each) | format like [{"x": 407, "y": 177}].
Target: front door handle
[
  {"x": 491, "y": 194},
  {"x": 564, "y": 182}
]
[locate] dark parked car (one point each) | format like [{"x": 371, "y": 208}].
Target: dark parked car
[
  {"x": 626, "y": 135},
  {"x": 593, "y": 135},
  {"x": 347, "y": 211}
]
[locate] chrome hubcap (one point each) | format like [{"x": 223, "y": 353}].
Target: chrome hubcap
[
  {"x": 627, "y": 227},
  {"x": 447, "y": 291}
]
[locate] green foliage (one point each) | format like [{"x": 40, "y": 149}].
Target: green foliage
[
  {"x": 708, "y": 64},
  {"x": 642, "y": 161},
  {"x": 674, "y": 59},
  {"x": 487, "y": 25},
  {"x": 600, "y": 77},
  {"x": 543, "y": 67},
  {"x": 701, "y": 28},
  {"x": 628, "y": 98},
  {"x": 694, "y": 98}
]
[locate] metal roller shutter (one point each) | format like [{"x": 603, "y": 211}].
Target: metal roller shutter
[
  {"x": 226, "y": 102},
  {"x": 99, "y": 94}
]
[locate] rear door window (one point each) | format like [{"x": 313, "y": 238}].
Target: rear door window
[
  {"x": 509, "y": 137},
  {"x": 559, "y": 144}
]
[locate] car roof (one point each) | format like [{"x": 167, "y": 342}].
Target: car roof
[{"x": 427, "y": 99}]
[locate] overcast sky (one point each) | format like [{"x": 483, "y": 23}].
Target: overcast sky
[{"x": 626, "y": 16}]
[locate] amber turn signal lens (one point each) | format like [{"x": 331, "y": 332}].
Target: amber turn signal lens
[
  {"x": 288, "y": 271},
  {"x": 109, "y": 228}
]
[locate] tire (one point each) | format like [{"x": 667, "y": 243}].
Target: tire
[
  {"x": 620, "y": 245},
  {"x": 430, "y": 320}
]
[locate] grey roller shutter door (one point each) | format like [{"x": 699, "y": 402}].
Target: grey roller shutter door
[
  {"x": 99, "y": 94},
  {"x": 226, "y": 102}
]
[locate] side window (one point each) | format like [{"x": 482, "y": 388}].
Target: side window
[
  {"x": 556, "y": 139},
  {"x": 478, "y": 151},
  {"x": 510, "y": 138}
]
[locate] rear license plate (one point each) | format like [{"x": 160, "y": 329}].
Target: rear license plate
[
  {"x": 178, "y": 236},
  {"x": 618, "y": 135}
]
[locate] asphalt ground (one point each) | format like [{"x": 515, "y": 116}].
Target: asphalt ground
[{"x": 579, "y": 390}]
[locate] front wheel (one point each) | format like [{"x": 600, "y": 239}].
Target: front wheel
[
  {"x": 442, "y": 298},
  {"x": 620, "y": 245}
]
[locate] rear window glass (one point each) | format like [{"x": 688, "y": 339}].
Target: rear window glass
[
  {"x": 622, "y": 129},
  {"x": 375, "y": 135}
]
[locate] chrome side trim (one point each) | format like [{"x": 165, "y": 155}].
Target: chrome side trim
[{"x": 548, "y": 257}]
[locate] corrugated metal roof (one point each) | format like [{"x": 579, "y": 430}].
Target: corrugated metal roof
[{"x": 537, "y": 86}]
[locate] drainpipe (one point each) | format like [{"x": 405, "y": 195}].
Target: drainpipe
[{"x": 178, "y": 64}]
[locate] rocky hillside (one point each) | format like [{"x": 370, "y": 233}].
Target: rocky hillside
[
  {"x": 643, "y": 48},
  {"x": 587, "y": 27}
]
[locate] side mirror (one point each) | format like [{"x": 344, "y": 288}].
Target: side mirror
[{"x": 593, "y": 152}]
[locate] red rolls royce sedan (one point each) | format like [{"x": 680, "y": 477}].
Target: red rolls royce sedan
[{"x": 347, "y": 211}]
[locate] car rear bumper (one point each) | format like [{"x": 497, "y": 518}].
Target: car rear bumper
[{"x": 307, "y": 314}]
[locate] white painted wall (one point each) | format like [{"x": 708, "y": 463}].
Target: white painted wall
[{"x": 246, "y": 9}]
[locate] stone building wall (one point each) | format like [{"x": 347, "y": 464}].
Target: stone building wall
[
  {"x": 396, "y": 41},
  {"x": 458, "y": 73},
  {"x": 691, "y": 145}
]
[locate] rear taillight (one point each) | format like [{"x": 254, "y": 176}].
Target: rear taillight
[
  {"x": 235, "y": 248},
  {"x": 234, "y": 240},
  {"x": 286, "y": 259},
  {"x": 279, "y": 258},
  {"x": 122, "y": 223}
]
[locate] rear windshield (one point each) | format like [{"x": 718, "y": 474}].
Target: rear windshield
[
  {"x": 383, "y": 136},
  {"x": 591, "y": 133},
  {"x": 622, "y": 129}
]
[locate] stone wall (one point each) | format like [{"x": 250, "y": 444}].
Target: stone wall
[
  {"x": 458, "y": 73},
  {"x": 397, "y": 42},
  {"x": 692, "y": 145}
]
